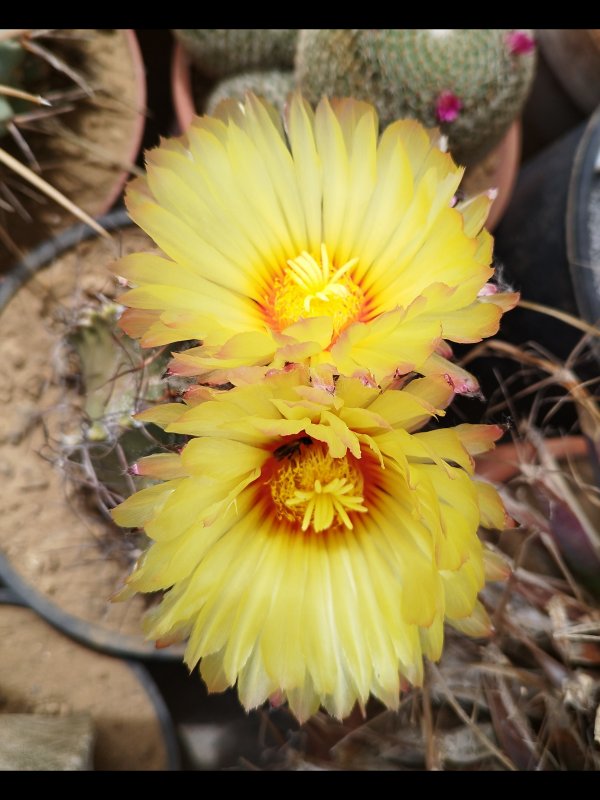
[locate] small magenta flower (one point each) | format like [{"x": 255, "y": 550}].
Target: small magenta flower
[
  {"x": 448, "y": 107},
  {"x": 519, "y": 43}
]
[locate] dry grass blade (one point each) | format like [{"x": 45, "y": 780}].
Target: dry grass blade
[
  {"x": 50, "y": 191},
  {"x": 576, "y": 631},
  {"x": 432, "y": 760},
  {"x": 569, "y": 319},
  {"x": 507, "y": 460},
  {"x": 587, "y": 407},
  {"x": 555, "y": 480},
  {"x": 458, "y": 710},
  {"x": 510, "y": 724}
]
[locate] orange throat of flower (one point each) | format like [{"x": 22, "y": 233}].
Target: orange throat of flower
[
  {"x": 309, "y": 289},
  {"x": 312, "y": 490}
]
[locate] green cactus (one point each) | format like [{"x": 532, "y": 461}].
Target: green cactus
[
  {"x": 11, "y": 58},
  {"x": 221, "y": 52},
  {"x": 18, "y": 70},
  {"x": 485, "y": 75},
  {"x": 118, "y": 380},
  {"x": 274, "y": 86}
]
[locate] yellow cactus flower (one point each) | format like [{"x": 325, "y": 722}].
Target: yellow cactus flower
[
  {"x": 311, "y": 543},
  {"x": 322, "y": 241}
]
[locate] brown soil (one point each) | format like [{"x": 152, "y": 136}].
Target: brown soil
[
  {"x": 44, "y": 672},
  {"x": 49, "y": 533},
  {"x": 86, "y": 153}
]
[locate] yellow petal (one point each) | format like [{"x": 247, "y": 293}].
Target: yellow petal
[
  {"x": 307, "y": 167},
  {"x": 161, "y": 465},
  {"x": 336, "y": 173},
  {"x": 138, "y": 509},
  {"x": 479, "y": 439},
  {"x": 221, "y": 459},
  {"x": 493, "y": 513},
  {"x": 477, "y": 623}
]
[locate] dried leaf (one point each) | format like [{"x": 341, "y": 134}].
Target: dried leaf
[
  {"x": 393, "y": 740},
  {"x": 580, "y": 691},
  {"x": 575, "y": 630},
  {"x": 512, "y": 729}
]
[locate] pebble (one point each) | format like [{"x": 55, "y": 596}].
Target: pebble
[{"x": 43, "y": 742}]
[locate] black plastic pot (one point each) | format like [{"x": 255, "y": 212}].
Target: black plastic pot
[
  {"x": 97, "y": 636},
  {"x": 583, "y": 224},
  {"x": 92, "y": 635},
  {"x": 146, "y": 684},
  {"x": 543, "y": 242},
  {"x": 549, "y": 112}
]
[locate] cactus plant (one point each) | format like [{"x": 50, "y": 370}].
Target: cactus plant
[
  {"x": 274, "y": 86},
  {"x": 11, "y": 57},
  {"x": 71, "y": 119},
  {"x": 118, "y": 381},
  {"x": 472, "y": 83},
  {"x": 222, "y": 52}
]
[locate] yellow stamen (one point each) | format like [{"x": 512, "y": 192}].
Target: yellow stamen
[
  {"x": 317, "y": 491},
  {"x": 310, "y": 289}
]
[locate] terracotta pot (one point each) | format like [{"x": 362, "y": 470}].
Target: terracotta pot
[
  {"x": 504, "y": 462},
  {"x": 181, "y": 87},
  {"x": 88, "y": 152},
  {"x": 497, "y": 171},
  {"x": 131, "y": 145},
  {"x": 57, "y": 551}
]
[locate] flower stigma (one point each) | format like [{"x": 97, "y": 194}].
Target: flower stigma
[
  {"x": 316, "y": 491},
  {"x": 311, "y": 289}
]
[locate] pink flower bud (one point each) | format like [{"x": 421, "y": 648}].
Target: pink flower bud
[
  {"x": 448, "y": 107},
  {"x": 487, "y": 290},
  {"x": 519, "y": 43}
]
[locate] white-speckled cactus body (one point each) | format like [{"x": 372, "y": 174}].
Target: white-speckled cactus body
[
  {"x": 220, "y": 52},
  {"x": 274, "y": 86},
  {"x": 470, "y": 83}
]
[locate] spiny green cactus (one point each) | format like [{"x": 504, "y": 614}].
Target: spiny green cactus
[
  {"x": 118, "y": 381},
  {"x": 11, "y": 59},
  {"x": 274, "y": 86},
  {"x": 223, "y": 51},
  {"x": 470, "y": 83}
]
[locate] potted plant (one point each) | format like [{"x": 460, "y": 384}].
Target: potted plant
[
  {"x": 471, "y": 84},
  {"x": 67, "y": 437},
  {"x": 71, "y": 127}
]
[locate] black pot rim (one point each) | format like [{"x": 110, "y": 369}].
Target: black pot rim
[
  {"x": 88, "y": 633},
  {"x": 163, "y": 715}
]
